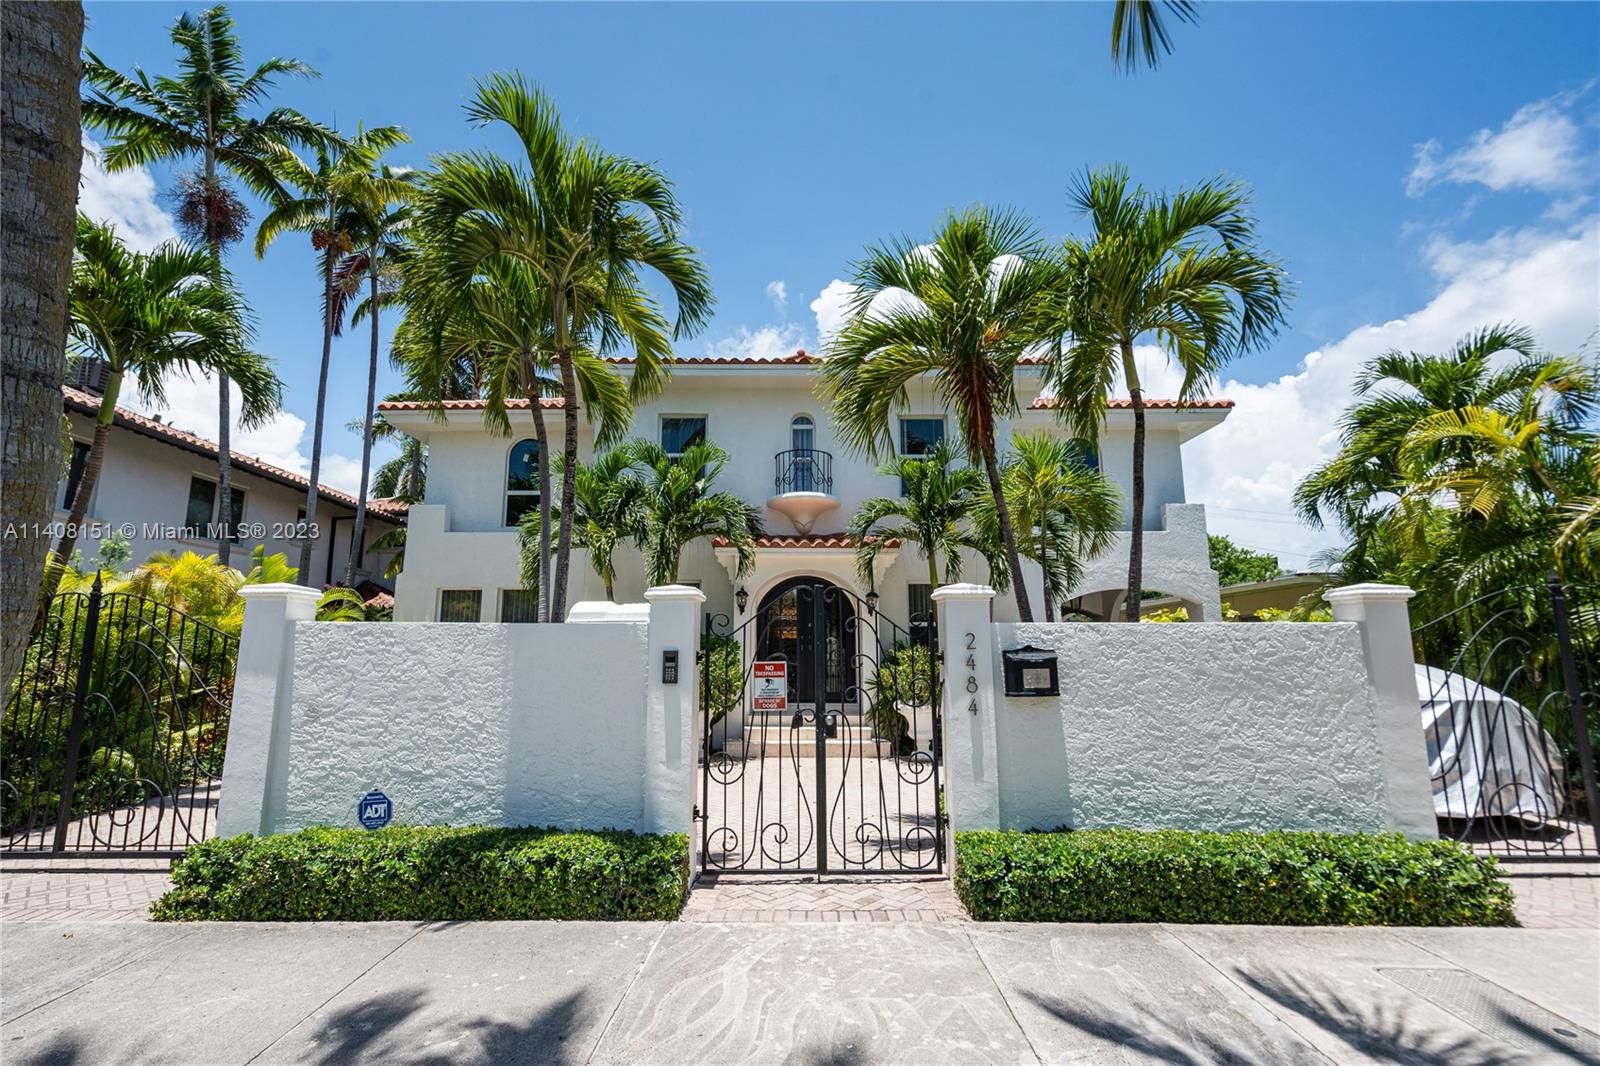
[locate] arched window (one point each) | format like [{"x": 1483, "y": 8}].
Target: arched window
[
  {"x": 1085, "y": 454},
  {"x": 803, "y": 461},
  {"x": 522, "y": 480}
]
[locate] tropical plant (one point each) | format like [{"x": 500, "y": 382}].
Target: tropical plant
[
  {"x": 378, "y": 224},
  {"x": 904, "y": 677},
  {"x": 42, "y": 147},
  {"x": 724, "y": 675},
  {"x": 332, "y": 199},
  {"x": 588, "y": 225},
  {"x": 939, "y": 510},
  {"x": 1065, "y": 511},
  {"x": 203, "y": 112},
  {"x": 609, "y": 498},
  {"x": 1181, "y": 269},
  {"x": 1236, "y": 565},
  {"x": 149, "y": 315},
  {"x": 961, "y": 311},
  {"x": 679, "y": 506},
  {"x": 1138, "y": 32}
]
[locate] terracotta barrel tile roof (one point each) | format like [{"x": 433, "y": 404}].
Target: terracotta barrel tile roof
[
  {"x": 1050, "y": 403},
  {"x": 88, "y": 403},
  {"x": 514, "y": 403},
  {"x": 794, "y": 540}
]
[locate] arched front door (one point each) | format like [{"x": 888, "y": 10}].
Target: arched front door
[{"x": 786, "y": 628}]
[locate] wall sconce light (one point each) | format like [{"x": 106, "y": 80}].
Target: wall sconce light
[
  {"x": 872, "y": 601},
  {"x": 742, "y": 598}
]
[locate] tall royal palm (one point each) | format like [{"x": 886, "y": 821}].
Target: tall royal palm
[
  {"x": 1064, "y": 509},
  {"x": 591, "y": 225},
  {"x": 329, "y": 197},
  {"x": 678, "y": 506},
  {"x": 203, "y": 112},
  {"x": 963, "y": 310},
  {"x": 938, "y": 511},
  {"x": 379, "y": 224},
  {"x": 1181, "y": 270},
  {"x": 150, "y": 315}
]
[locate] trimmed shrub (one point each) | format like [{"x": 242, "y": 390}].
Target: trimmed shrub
[
  {"x": 1287, "y": 878},
  {"x": 430, "y": 873}
]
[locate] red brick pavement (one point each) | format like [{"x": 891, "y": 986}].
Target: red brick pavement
[
  {"x": 109, "y": 890},
  {"x": 1556, "y": 896}
]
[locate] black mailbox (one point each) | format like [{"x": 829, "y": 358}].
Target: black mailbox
[{"x": 1031, "y": 671}]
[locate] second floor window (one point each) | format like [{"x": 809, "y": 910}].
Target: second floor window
[
  {"x": 1084, "y": 453},
  {"x": 680, "y": 432},
  {"x": 202, "y": 505},
  {"x": 919, "y": 436},
  {"x": 522, "y": 480}
]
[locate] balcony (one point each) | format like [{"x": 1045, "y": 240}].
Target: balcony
[{"x": 803, "y": 486}]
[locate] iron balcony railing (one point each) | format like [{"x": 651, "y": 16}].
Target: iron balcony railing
[{"x": 804, "y": 470}]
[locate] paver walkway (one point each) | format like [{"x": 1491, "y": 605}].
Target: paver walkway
[
  {"x": 689, "y": 992},
  {"x": 788, "y": 898},
  {"x": 94, "y": 890}
]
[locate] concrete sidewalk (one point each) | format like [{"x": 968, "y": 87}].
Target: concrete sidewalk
[{"x": 692, "y": 992}]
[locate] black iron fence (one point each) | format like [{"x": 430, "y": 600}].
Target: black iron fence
[
  {"x": 803, "y": 470},
  {"x": 114, "y": 730},
  {"x": 1510, "y": 687}
]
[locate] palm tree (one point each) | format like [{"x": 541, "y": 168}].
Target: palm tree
[
  {"x": 1138, "y": 32},
  {"x": 610, "y": 497},
  {"x": 962, "y": 310},
  {"x": 1180, "y": 269},
  {"x": 1066, "y": 509},
  {"x": 202, "y": 112},
  {"x": 590, "y": 225},
  {"x": 938, "y": 511},
  {"x": 678, "y": 506},
  {"x": 379, "y": 225},
  {"x": 491, "y": 336},
  {"x": 328, "y": 202},
  {"x": 42, "y": 147},
  {"x": 147, "y": 315}
]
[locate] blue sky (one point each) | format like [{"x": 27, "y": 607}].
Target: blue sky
[{"x": 1416, "y": 166}]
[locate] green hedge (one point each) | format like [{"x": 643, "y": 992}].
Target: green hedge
[
  {"x": 430, "y": 873},
  {"x": 1119, "y": 875}
]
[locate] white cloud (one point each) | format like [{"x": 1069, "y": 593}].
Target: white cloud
[
  {"x": 1539, "y": 147},
  {"x": 284, "y": 440},
  {"x": 832, "y": 307},
  {"x": 769, "y": 342},
  {"x": 1246, "y": 469},
  {"x": 778, "y": 293},
  {"x": 127, "y": 199}
]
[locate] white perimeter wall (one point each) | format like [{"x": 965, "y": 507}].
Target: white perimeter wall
[{"x": 1192, "y": 726}]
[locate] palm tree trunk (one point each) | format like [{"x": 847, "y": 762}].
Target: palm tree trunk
[
  {"x": 933, "y": 572},
  {"x": 91, "y": 468},
  {"x": 1008, "y": 536},
  {"x": 1136, "y": 531},
  {"x": 43, "y": 152},
  {"x": 414, "y": 475},
  {"x": 535, "y": 393},
  {"x": 224, "y": 510},
  {"x": 359, "y": 532},
  {"x": 308, "y": 542},
  {"x": 569, "y": 471},
  {"x": 1044, "y": 576}
]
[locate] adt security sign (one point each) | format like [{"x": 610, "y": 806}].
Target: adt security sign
[{"x": 374, "y": 810}]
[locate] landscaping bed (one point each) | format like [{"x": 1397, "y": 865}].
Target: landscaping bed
[
  {"x": 430, "y": 874},
  {"x": 1286, "y": 878}
]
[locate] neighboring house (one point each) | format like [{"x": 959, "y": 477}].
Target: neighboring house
[
  {"x": 158, "y": 485},
  {"x": 1281, "y": 593},
  {"x": 785, "y": 458}
]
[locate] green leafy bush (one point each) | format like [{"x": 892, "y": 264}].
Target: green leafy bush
[
  {"x": 1287, "y": 878},
  {"x": 431, "y": 873},
  {"x": 904, "y": 676}
]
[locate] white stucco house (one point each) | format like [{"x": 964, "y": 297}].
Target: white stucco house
[
  {"x": 787, "y": 460},
  {"x": 157, "y": 490}
]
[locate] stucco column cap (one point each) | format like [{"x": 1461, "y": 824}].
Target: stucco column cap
[
  {"x": 1370, "y": 591},
  {"x": 963, "y": 591},
  {"x": 674, "y": 593},
  {"x": 280, "y": 590}
]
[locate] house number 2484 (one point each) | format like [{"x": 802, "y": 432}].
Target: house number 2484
[{"x": 972, "y": 677}]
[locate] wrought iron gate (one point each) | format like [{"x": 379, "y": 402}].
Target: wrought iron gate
[
  {"x": 1511, "y": 690},
  {"x": 114, "y": 730},
  {"x": 821, "y": 738}
]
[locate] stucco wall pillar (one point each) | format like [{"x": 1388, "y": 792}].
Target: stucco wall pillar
[
  {"x": 971, "y": 759},
  {"x": 1386, "y": 641},
  {"x": 255, "y": 767},
  {"x": 670, "y": 718}
]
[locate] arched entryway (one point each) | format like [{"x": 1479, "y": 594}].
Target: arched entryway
[{"x": 787, "y": 628}]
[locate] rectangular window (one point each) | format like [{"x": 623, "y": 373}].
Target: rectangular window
[
  {"x": 460, "y": 605},
  {"x": 519, "y": 605},
  {"x": 919, "y": 436},
  {"x": 681, "y": 431},
  {"x": 200, "y": 510},
  {"x": 69, "y": 488},
  {"x": 920, "y": 616}
]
